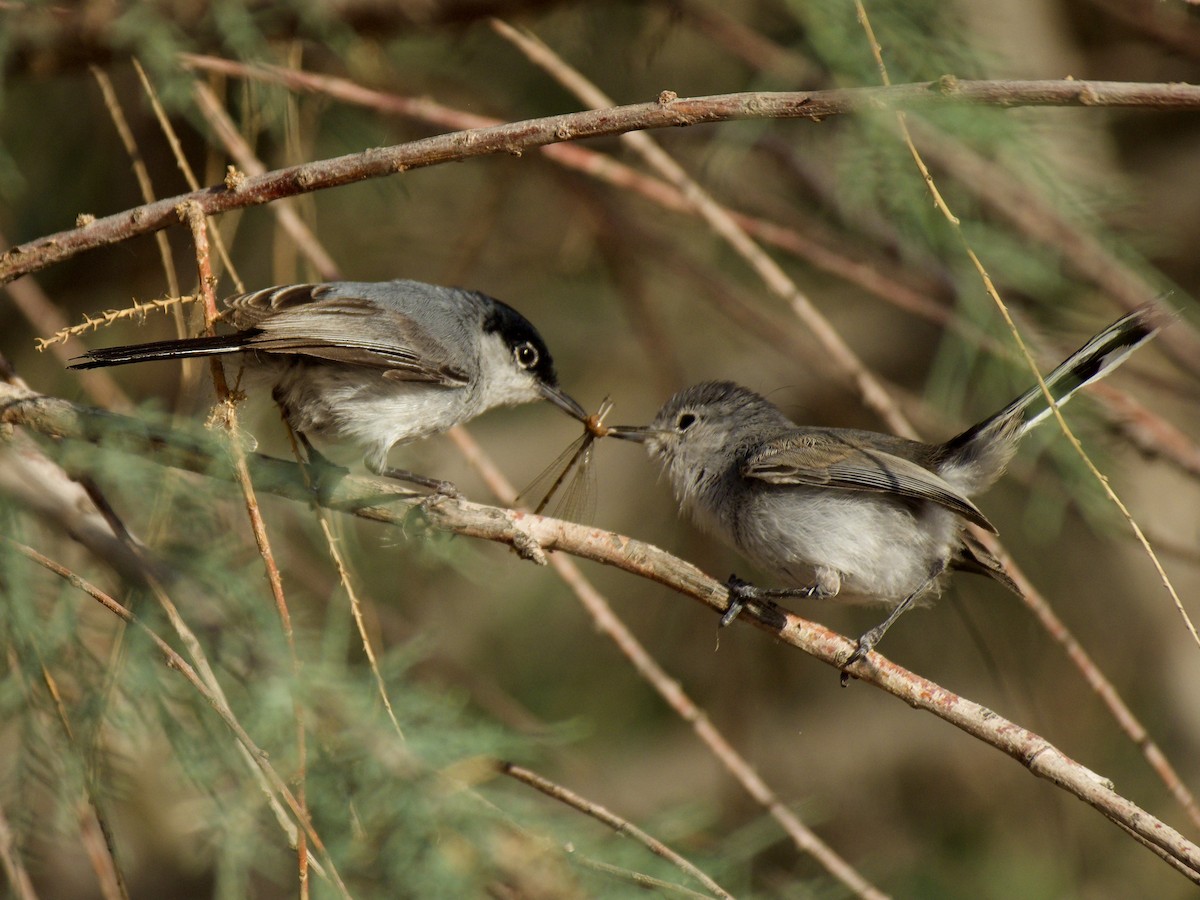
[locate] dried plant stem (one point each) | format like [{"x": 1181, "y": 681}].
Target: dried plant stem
[
  {"x": 1120, "y": 711},
  {"x": 608, "y": 623},
  {"x": 613, "y": 821},
  {"x": 516, "y": 137},
  {"x": 185, "y": 169},
  {"x": 227, "y": 417},
  {"x": 356, "y": 605},
  {"x": 140, "y": 172},
  {"x": 138, "y": 309}
]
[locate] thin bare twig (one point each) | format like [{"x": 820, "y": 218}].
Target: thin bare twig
[
  {"x": 613, "y": 821},
  {"x": 362, "y": 497},
  {"x": 1156, "y": 758},
  {"x": 185, "y": 168},
  {"x": 141, "y": 173},
  {"x": 668, "y": 111},
  {"x": 139, "y": 309},
  {"x": 227, "y": 416}
]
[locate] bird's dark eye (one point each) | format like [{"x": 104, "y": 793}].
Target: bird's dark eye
[
  {"x": 686, "y": 421},
  {"x": 526, "y": 355}
]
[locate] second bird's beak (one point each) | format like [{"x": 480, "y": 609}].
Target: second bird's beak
[
  {"x": 566, "y": 403},
  {"x": 639, "y": 434}
]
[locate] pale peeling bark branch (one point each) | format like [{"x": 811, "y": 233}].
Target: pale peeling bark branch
[{"x": 381, "y": 501}]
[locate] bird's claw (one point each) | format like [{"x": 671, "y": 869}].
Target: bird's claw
[
  {"x": 866, "y": 643},
  {"x": 740, "y": 592}
]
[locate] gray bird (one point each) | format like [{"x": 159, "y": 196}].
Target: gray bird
[
  {"x": 376, "y": 363},
  {"x": 845, "y": 513}
]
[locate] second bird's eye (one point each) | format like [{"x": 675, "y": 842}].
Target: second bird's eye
[
  {"x": 686, "y": 421},
  {"x": 526, "y": 355}
]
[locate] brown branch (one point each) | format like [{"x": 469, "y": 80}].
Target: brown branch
[
  {"x": 613, "y": 821},
  {"x": 517, "y": 137},
  {"x": 873, "y": 274},
  {"x": 381, "y": 501}
]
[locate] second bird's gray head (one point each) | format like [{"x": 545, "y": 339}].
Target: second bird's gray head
[
  {"x": 703, "y": 430},
  {"x": 515, "y": 364}
]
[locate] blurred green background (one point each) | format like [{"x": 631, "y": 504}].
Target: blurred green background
[{"x": 485, "y": 656}]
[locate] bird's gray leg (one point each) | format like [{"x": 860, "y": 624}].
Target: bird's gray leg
[
  {"x": 377, "y": 464},
  {"x": 870, "y": 638},
  {"x": 742, "y": 592},
  {"x": 316, "y": 458},
  {"x": 316, "y": 461}
]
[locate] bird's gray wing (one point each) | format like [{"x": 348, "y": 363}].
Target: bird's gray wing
[
  {"x": 823, "y": 459},
  {"x": 328, "y": 321}
]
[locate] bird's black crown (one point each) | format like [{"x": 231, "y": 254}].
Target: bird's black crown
[{"x": 514, "y": 329}]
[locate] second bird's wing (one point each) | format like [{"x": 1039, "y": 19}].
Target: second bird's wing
[
  {"x": 328, "y": 321},
  {"x": 827, "y": 459}
]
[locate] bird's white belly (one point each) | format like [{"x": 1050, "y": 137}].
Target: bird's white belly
[
  {"x": 373, "y": 412},
  {"x": 880, "y": 550}
]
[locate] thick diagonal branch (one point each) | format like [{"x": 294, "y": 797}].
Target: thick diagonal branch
[{"x": 381, "y": 501}]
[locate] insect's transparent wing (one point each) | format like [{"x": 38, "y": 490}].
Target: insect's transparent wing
[{"x": 568, "y": 485}]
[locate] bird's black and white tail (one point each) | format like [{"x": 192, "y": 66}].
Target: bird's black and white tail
[
  {"x": 978, "y": 455},
  {"x": 176, "y": 349}
]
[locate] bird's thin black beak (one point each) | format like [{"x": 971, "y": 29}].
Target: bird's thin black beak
[
  {"x": 639, "y": 434},
  {"x": 566, "y": 403}
]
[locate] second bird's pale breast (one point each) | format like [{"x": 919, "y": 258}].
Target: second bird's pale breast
[{"x": 882, "y": 549}]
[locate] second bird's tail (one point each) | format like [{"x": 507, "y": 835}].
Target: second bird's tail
[{"x": 975, "y": 458}]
